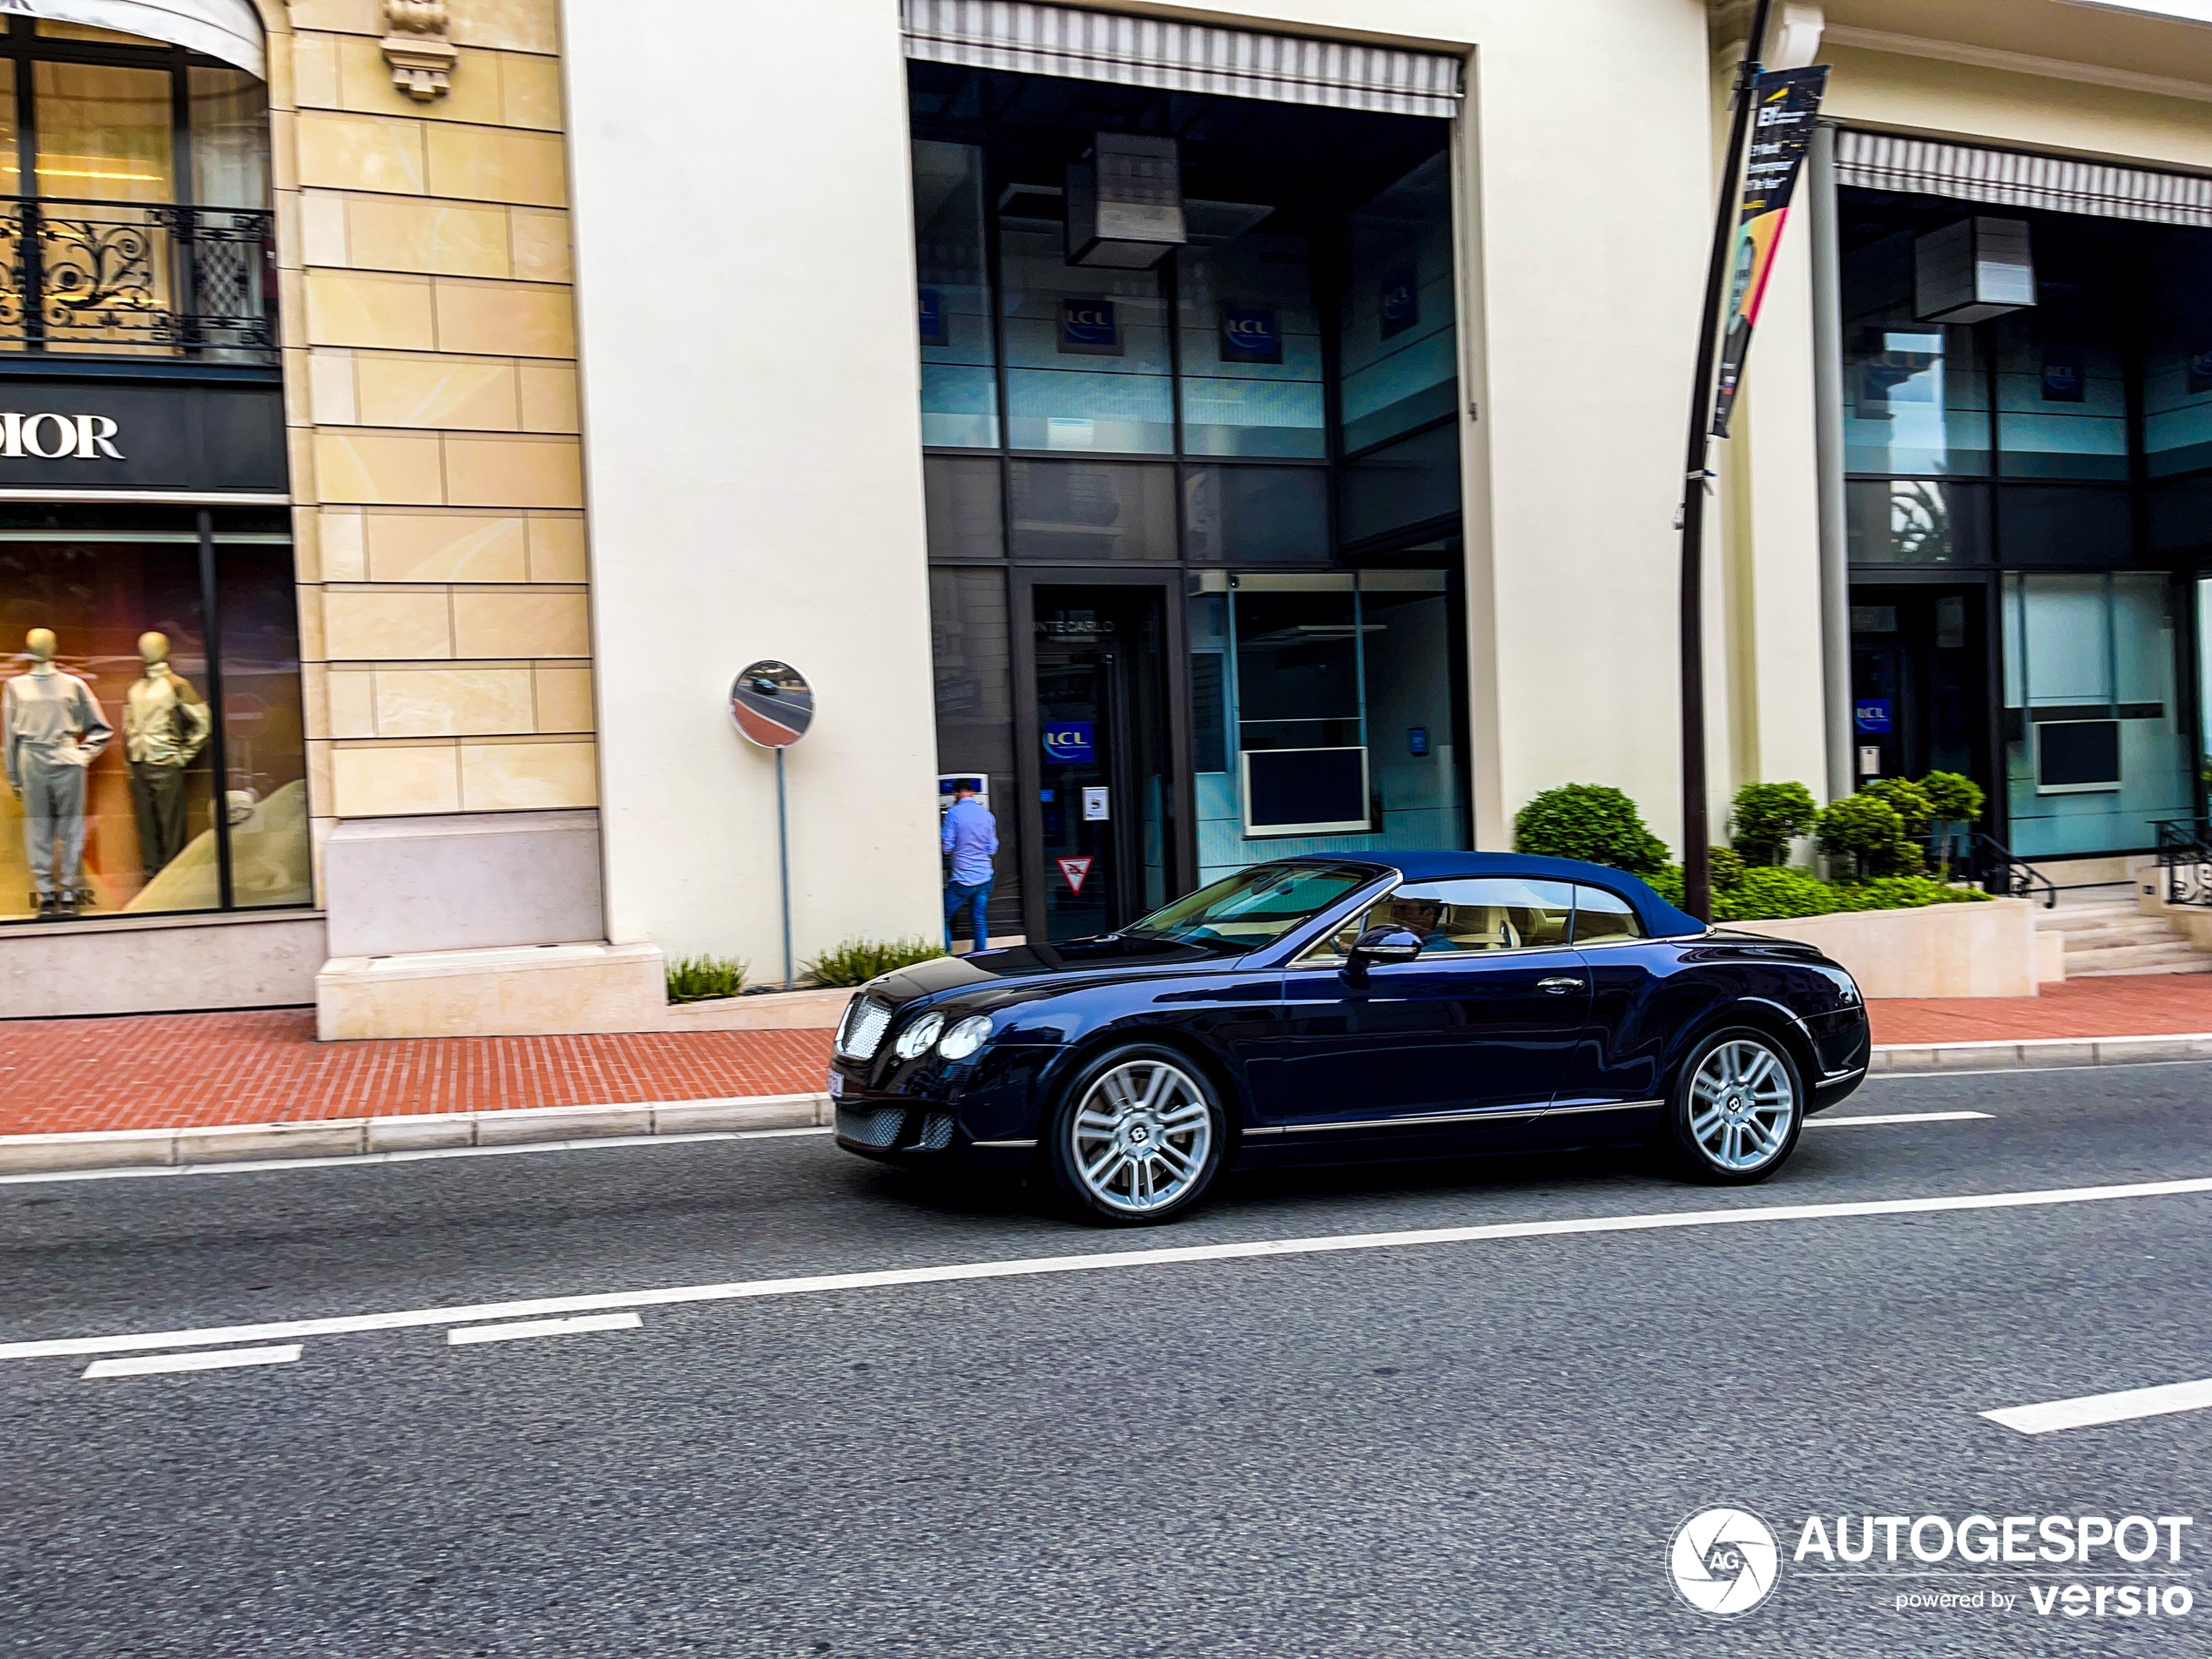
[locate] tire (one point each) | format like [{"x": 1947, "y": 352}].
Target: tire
[
  {"x": 1735, "y": 1109},
  {"x": 1138, "y": 1137}
]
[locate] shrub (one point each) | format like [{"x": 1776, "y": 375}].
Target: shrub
[
  {"x": 1905, "y": 892},
  {"x": 698, "y": 979},
  {"x": 1867, "y": 830},
  {"x": 1725, "y": 868},
  {"x": 858, "y": 961},
  {"x": 1770, "y": 891},
  {"x": 1768, "y": 817},
  {"x": 1591, "y": 822},
  {"x": 1910, "y": 801},
  {"x": 1952, "y": 797}
]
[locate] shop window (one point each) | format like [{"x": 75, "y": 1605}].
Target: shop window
[
  {"x": 146, "y": 774},
  {"x": 1916, "y": 520},
  {"x": 1323, "y": 715},
  {"x": 971, "y": 659},
  {"x": 2094, "y": 751}
]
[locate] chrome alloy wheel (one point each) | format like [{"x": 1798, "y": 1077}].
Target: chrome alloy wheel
[
  {"x": 1742, "y": 1105},
  {"x": 1140, "y": 1135}
]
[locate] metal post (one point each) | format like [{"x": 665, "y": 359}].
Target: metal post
[
  {"x": 1828, "y": 430},
  {"x": 1698, "y": 894},
  {"x": 783, "y": 864}
]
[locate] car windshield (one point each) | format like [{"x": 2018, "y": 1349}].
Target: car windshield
[{"x": 1252, "y": 907}]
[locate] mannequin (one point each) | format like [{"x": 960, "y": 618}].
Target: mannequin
[
  {"x": 51, "y": 730},
  {"x": 166, "y": 724}
]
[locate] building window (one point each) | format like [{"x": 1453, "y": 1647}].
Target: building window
[{"x": 150, "y": 705}]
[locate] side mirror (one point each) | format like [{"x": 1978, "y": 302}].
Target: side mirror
[{"x": 1384, "y": 944}]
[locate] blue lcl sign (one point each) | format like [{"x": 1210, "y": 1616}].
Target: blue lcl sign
[
  {"x": 1068, "y": 740},
  {"x": 1249, "y": 334},
  {"x": 1087, "y": 329},
  {"x": 1872, "y": 714}
]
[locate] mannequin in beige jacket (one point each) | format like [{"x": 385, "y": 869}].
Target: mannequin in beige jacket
[{"x": 166, "y": 724}]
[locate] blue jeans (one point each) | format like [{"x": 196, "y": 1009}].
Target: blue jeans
[{"x": 972, "y": 899}]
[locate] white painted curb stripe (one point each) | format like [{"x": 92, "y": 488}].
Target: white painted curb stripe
[
  {"x": 745, "y": 1289},
  {"x": 1898, "y": 1118},
  {"x": 521, "y": 1328},
  {"x": 2092, "y": 1409},
  {"x": 147, "y": 1364}
]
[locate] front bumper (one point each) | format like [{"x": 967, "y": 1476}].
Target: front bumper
[{"x": 981, "y": 1113}]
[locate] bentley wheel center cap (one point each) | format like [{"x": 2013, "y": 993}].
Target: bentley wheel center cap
[{"x": 1139, "y": 1134}]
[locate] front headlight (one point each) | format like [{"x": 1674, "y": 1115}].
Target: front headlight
[
  {"x": 914, "y": 1041},
  {"x": 966, "y": 1037}
]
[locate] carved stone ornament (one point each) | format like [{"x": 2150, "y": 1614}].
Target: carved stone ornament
[{"x": 420, "y": 56}]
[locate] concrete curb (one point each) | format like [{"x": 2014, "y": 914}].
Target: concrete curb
[
  {"x": 2039, "y": 1053},
  {"x": 538, "y": 1125},
  {"x": 408, "y": 1132}
]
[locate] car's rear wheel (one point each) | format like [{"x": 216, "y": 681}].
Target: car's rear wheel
[
  {"x": 1738, "y": 1103},
  {"x": 1138, "y": 1137}
]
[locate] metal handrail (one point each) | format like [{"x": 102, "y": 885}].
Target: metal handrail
[
  {"x": 78, "y": 275},
  {"x": 2184, "y": 852},
  {"x": 2021, "y": 879}
]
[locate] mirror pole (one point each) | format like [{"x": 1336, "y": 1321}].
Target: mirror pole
[{"x": 782, "y": 863}]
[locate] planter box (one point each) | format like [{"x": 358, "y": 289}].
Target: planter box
[
  {"x": 771, "y": 1011},
  {"x": 1941, "y": 950}
]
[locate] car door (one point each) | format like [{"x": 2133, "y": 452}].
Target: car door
[
  {"x": 1611, "y": 1090},
  {"x": 1465, "y": 1044}
]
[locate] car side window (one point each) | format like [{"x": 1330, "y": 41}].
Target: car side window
[
  {"x": 1601, "y": 917},
  {"x": 1478, "y": 913}
]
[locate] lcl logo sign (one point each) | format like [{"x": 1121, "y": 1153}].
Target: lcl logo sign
[{"x": 55, "y": 437}]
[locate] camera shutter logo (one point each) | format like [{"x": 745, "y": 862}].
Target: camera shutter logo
[{"x": 1723, "y": 1561}]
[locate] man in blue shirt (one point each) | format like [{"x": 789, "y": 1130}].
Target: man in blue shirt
[{"x": 970, "y": 836}]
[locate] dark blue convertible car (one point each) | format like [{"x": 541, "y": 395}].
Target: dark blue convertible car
[{"x": 1327, "y": 1009}]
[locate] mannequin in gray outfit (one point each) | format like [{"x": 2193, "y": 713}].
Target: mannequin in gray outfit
[{"x": 51, "y": 730}]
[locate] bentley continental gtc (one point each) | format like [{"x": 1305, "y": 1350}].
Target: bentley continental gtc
[{"x": 1332, "y": 1008}]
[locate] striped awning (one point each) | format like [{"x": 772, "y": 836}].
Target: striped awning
[
  {"x": 230, "y": 29},
  {"x": 1182, "y": 57},
  {"x": 2014, "y": 179}
]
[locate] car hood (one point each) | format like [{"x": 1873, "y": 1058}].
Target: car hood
[{"x": 1042, "y": 967}]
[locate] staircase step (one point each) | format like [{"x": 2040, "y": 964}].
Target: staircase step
[
  {"x": 2072, "y": 917},
  {"x": 2120, "y": 933},
  {"x": 2173, "y": 952},
  {"x": 2200, "y": 965}
]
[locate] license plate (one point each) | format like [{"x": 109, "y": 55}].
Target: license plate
[{"x": 836, "y": 1084}]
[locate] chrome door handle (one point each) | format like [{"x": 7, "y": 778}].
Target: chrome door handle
[{"x": 1559, "y": 984}]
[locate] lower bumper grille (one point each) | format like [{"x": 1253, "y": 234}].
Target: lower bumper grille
[
  {"x": 936, "y": 1132},
  {"x": 880, "y": 1128}
]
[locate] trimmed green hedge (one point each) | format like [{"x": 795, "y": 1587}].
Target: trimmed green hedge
[{"x": 1767, "y": 892}]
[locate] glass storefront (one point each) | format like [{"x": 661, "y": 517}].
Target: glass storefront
[
  {"x": 146, "y": 772},
  {"x": 2023, "y": 507},
  {"x": 1193, "y": 513}
]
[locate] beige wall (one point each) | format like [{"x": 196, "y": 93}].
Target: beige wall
[{"x": 430, "y": 373}]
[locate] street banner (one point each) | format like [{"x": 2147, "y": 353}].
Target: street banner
[{"x": 1783, "y": 105}]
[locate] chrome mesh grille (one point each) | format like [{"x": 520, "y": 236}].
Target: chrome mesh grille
[
  {"x": 936, "y": 1132},
  {"x": 860, "y": 1033},
  {"x": 872, "y": 1128}
]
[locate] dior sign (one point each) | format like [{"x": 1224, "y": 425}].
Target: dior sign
[{"x": 55, "y": 437}]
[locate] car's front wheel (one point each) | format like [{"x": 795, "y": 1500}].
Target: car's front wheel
[
  {"x": 1738, "y": 1103},
  {"x": 1138, "y": 1137}
]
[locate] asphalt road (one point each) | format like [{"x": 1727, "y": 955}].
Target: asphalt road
[{"x": 1471, "y": 1446}]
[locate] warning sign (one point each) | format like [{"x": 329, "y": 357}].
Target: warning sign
[{"x": 1076, "y": 870}]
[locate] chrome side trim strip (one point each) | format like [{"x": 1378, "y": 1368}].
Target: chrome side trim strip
[
  {"x": 1839, "y": 1076},
  {"x": 1031, "y": 1141},
  {"x": 1262, "y": 1129},
  {"x": 1499, "y": 1114},
  {"x": 1605, "y": 1106}
]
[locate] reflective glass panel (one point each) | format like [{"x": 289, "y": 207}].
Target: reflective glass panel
[
  {"x": 1255, "y": 515},
  {"x": 230, "y": 138},
  {"x": 1916, "y": 520},
  {"x": 961, "y": 494},
  {"x": 953, "y": 306},
  {"x": 1252, "y": 349},
  {"x": 264, "y": 728},
  {"x": 1398, "y": 341},
  {"x": 104, "y": 133},
  {"x": 1092, "y": 511},
  {"x": 1087, "y": 349},
  {"x": 973, "y": 673}
]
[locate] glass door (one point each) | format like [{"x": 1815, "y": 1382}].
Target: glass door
[{"x": 1099, "y": 656}]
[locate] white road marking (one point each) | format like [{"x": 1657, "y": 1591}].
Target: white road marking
[
  {"x": 1897, "y": 1117},
  {"x": 740, "y": 1290},
  {"x": 2092, "y": 1409},
  {"x": 542, "y": 1328},
  {"x": 2023, "y": 1070},
  {"x": 353, "y": 1160},
  {"x": 147, "y": 1364}
]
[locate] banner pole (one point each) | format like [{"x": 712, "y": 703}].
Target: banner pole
[{"x": 1696, "y": 875}]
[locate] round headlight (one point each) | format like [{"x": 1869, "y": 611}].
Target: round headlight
[
  {"x": 914, "y": 1041},
  {"x": 966, "y": 1037}
]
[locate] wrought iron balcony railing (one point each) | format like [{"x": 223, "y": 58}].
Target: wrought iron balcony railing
[
  {"x": 2185, "y": 860},
  {"x": 137, "y": 279}
]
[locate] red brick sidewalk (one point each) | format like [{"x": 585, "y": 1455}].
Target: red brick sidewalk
[
  {"x": 2147, "y": 1005},
  {"x": 200, "y": 1070}
]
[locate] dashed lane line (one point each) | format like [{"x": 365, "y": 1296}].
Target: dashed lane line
[
  {"x": 520, "y": 1328},
  {"x": 539, "y": 1307},
  {"x": 148, "y": 1364},
  {"x": 2092, "y": 1409},
  {"x": 1898, "y": 1117}
]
